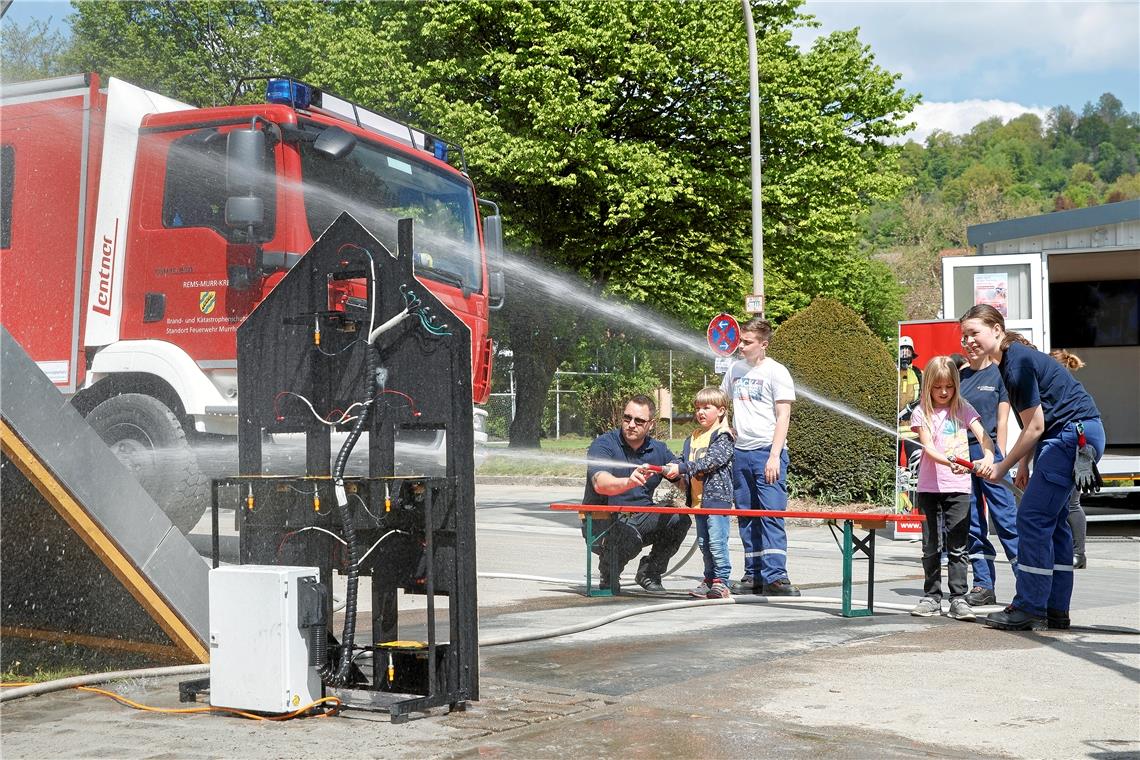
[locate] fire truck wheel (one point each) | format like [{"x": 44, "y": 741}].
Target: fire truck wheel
[{"x": 147, "y": 438}]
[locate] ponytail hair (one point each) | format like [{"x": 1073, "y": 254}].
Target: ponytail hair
[
  {"x": 991, "y": 317},
  {"x": 1012, "y": 336},
  {"x": 1068, "y": 361}
]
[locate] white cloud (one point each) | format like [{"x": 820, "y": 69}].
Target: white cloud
[
  {"x": 945, "y": 39},
  {"x": 960, "y": 117}
]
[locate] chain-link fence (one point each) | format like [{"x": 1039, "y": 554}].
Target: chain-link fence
[
  {"x": 561, "y": 416},
  {"x": 583, "y": 402}
]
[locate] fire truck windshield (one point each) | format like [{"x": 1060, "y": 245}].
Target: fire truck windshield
[{"x": 379, "y": 187}]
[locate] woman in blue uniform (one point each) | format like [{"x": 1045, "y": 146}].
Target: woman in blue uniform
[{"x": 1061, "y": 428}]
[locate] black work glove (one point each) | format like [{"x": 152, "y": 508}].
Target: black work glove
[{"x": 1085, "y": 473}]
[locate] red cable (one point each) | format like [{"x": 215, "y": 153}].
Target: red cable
[{"x": 411, "y": 402}]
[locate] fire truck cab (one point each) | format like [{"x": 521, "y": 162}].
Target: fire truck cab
[{"x": 138, "y": 232}]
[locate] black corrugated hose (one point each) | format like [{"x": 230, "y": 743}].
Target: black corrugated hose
[{"x": 344, "y": 666}]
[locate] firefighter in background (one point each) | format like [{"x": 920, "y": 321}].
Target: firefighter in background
[
  {"x": 910, "y": 379},
  {"x": 910, "y": 453}
]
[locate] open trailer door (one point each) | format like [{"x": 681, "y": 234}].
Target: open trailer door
[{"x": 1011, "y": 283}]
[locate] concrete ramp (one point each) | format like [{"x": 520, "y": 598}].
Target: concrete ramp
[{"x": 92, "y": 573}]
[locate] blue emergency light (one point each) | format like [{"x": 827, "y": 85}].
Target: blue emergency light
[
  {"x": 440, "y": 149},
  {"x": 288, "y": 92}
]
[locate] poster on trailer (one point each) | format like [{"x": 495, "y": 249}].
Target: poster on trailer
[
  {"x": 992, "y": 288},
  {"x": 918, "y": 342}
]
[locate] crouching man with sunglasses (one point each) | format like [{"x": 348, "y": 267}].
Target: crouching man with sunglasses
[{"x": 610, "y": 482}]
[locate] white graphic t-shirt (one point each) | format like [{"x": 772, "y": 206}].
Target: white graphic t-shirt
[{"x": 754, "y": 392}]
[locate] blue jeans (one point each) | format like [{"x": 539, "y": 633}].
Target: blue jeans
[
  {"x": 764, "y": 538},
  {"x": 712, "y": 537},
  {"x": 1045, "y": 561},
  {"x": 1001, "y": 506}
]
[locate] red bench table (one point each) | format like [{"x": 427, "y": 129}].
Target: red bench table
[{"x": 868, "y": 521}]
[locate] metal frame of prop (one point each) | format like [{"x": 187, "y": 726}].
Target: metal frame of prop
[{"x": 311, "y": 347}]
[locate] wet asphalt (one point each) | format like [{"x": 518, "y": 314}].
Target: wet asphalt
[{"x": 722, "y": 681}]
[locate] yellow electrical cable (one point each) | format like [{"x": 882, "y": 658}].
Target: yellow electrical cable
[
  {"x": 210, "y": 708},
  {"x": 10, "y": 684},
  {"x": 405, "y": 644}
]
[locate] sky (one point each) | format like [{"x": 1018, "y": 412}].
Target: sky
[
  {"x": 974, "y": 60},
  {"x": 969, "y": 60}
]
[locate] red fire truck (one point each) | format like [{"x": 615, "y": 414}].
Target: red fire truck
[{"x": 138, "y": 232}]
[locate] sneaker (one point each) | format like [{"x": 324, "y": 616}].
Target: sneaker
[
  {"x": 1057, "y": 620},
  {"x": 782, "y": 587},
  {"x": 927, "y": 607},
  {"x": 959, "y": 610},
  {"x": 1079, "y": 562},
  {"x": 745, "y": 585},
  {"x": 719, "y": 590},
  {"x": 980, "y": 597},
  {"x": 1013, "y": 619},
  {"x": 647, "y": 581},
  {"x": 702, "y": 591}
]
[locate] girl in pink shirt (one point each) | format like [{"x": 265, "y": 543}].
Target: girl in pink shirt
[{"x": 941, "y": 422}]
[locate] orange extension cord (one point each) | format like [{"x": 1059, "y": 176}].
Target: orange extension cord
[{"x": 334, "y": 701}]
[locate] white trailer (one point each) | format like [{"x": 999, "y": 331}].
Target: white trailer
[{"x": 1071, "y": 280}]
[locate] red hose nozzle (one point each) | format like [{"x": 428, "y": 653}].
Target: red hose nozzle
[
  {"x": 961, "y": 462},
  {"x": 654, "y": 468}
]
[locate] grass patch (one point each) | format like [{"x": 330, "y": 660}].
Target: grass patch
[{"x": 17, "y": 672}]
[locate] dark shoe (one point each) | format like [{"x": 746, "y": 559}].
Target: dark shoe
[
  {"x": 1013, "y": 619},
  {"x": 1058, "y": 619},
  {"x": 1079, "y": 562},
  {"x": 745, "y": 585},
  {"x": 782, "y": 587},
  {"x": 604, "y": 574},
  {"x": 980, "y": 597},
  {"x": 652, "y": 585}
]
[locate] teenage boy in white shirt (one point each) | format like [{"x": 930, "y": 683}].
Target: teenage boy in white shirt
[{"x": 762, "y": 393}]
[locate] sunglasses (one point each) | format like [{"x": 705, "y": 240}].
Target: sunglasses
[{"x": 635, "y": 420}]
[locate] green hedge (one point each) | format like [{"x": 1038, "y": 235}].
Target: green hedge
[{"x": 835, "y": 458}]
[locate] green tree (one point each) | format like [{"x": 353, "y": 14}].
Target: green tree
[
  {"x": 32, "y": 51},
  {"x": 997, "y": 171},
  {"x": 191, "y": 50},
  {"x": 614, "y": 135},
  {"x": 1126, "y": 187}
]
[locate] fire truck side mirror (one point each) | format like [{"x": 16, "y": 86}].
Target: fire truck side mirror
[
  {"x": 493, "y": 243},
  {"x": 244, "y": 211},
  {"x": 493, "y": 236},
  {"x": 335, "y": 143},
  {"x": 496, "y": 290},
  {"x": 246, "y": 161}
]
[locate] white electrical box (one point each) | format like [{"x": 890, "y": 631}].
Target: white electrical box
[{"x": 259, "y": 656}]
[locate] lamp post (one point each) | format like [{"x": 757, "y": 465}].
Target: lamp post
[{"x": 755, "y": 303}]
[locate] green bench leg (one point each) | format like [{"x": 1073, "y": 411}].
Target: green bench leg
[
  {"x": 850, "y": 546},
  {"x": 590, "y": 539}
]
